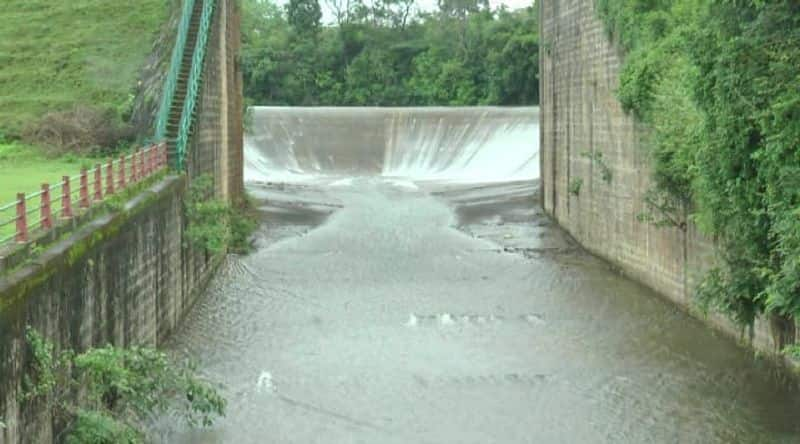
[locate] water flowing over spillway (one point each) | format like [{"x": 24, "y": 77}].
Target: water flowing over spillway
[
  {"x": 406, "y": 287},
  {"x": 442, "y": 144}
]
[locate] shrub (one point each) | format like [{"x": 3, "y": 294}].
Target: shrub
[
  {"x": 121, "y": 390},
  {"x": 213, "y": 224},
  {"x": 575, "y": 186},
  {"x": 80, "y": 130}
]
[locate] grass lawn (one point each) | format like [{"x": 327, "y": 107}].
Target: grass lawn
[
  {"x": 23, "y": 169},
  {"x": 56, "y": 54}
]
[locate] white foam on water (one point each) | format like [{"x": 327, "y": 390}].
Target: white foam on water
[
  {"x": 403, "y": 184},
  {"x": 446, "y": 319},
  {"x": 265, "y": 382},
  {"x": 343, "y": 182}
]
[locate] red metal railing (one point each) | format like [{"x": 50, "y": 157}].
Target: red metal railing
[{"x": 57, "y": 202}]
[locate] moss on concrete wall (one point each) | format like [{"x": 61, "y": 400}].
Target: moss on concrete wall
[{"x": 125, "y": 278}]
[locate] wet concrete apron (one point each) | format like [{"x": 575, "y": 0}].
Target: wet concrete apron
[{"x": 372, "y": 312}]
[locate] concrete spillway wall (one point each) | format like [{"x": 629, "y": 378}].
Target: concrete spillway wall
[{"x": 584, "y": 136}]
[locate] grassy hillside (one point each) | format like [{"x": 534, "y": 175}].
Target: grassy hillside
[{"x": 56, "y": 54}]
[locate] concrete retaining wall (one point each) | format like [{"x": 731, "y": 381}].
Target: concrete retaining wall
[
  {"x": 581, "y": 120},
  {"x": 122, "y": 279},
  {"x": 126, "y": 278}
]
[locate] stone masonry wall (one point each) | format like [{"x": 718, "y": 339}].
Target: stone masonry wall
[
  {"x": 217, "y": 141},
  {"x": 584, "y": 129}
]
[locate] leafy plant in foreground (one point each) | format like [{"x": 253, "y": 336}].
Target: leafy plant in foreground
[{"x": 122, "y": 389}]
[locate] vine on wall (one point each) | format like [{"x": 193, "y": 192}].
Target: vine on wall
[
  {"x": 213, "y": 224},
  {"x": 718, "y": 84}
]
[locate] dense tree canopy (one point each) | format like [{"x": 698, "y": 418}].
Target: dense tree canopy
[{"x": 385, "y": 53}]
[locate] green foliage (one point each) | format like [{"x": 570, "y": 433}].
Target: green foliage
[
  {"x": 56, "y": 55},
  {"x": 792, "y": 351},
  {"x": 244, "y": 223},
  {"x": 209, "y": 225},
  {"x": 43, "y": 378},
  {"x": 597, "y": 160},
  {"x": 381, "y": 53},
  {"x": 122, "y": 389},
  {"x": 663, "y": 210},
  {"x": 575, "y": 186},
  {"x": 718, "y": 84},
  {"x": 214, "y": 225},
  {"x": 94, "y": 427},
  {"x": 304, "y": 16}
]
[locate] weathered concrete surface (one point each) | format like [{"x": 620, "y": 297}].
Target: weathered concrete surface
[
  {"x": 216, "y": 145},
  {"x": 581, "y": 120}
]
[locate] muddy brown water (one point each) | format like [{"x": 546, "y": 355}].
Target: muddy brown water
[{"x": 383, "y": 308}]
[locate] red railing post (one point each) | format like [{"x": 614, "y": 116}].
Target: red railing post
[
  {"x": 122, "y": 172},
  {"x": 22, "y": 219},
  {"x": 110, "y": 177},
  {"x": 45, "y": 210},
  {"x": 145, "y": 163},
  {"x": 134, "y": 173},
  {"x": 66, "y": 199},
  {"x": 142, "y": 171},
  {"x": 98, "y": 183},
  {"x": 151, "y": 156},
  {"x": 163, "y": 155},
  {"x": 84, "y": 203}
]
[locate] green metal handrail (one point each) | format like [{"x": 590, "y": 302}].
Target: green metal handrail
[
  {"x": 171, "y": 82},
  {"x": 195, "y": 78}
]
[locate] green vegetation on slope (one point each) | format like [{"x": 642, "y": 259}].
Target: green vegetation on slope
[
  {"x": 718, "y": 82},
  {"x": 55, "y": 55},
  {"x": 382, "y": 53},
  {"x": 213, "y": 224}
]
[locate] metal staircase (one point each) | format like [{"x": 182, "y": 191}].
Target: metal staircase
[{"x": 182, "y": 84}]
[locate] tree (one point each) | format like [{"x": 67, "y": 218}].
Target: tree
[
  {"x": 304, "y": 16},
  {"x": 382, "y": 52}
]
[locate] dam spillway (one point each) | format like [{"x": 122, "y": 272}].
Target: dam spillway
[
  {"x": 407, "y": 287},
  {"x": 443, "y": 144}
]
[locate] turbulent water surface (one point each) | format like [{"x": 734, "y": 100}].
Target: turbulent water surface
[{"x": 406, "y": 288}]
